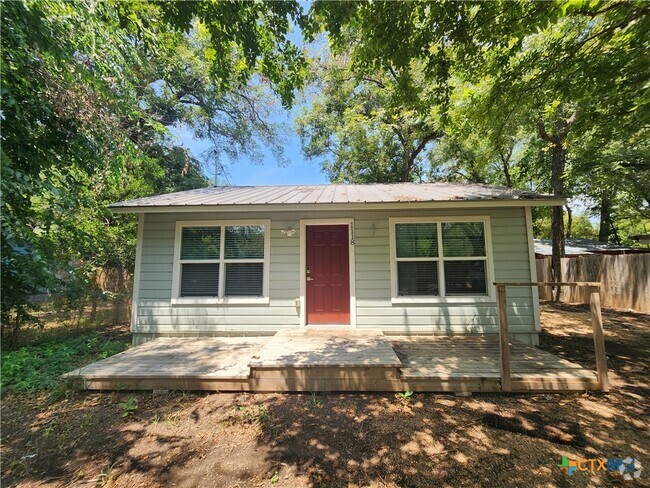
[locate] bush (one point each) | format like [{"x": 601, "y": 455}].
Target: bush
[{"x": 39, "y": 367}]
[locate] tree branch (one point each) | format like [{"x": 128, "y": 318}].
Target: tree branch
[
  {"x": 399, "y": 136},
  {"x": 541, "y": 130},
  {"x": 423, "y": 142}
]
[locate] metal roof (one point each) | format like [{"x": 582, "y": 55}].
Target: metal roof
[
  {"x": 332, "y": 194},
  {"x": 580, "y": 246}
]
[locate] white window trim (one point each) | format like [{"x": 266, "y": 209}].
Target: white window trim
[
  {"x": 221, "y": 300},
  {"x": 397, "y": 299}
]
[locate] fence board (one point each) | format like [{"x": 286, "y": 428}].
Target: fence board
[{"x": 623, "y": 279}]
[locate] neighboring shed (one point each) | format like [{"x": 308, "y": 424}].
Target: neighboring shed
[
  {"x": 641, "y": 239},
  {"x": 582, "y": 247},
  {"x": 403, "y": 258}
]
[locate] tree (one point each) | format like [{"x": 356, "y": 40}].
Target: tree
[
  {"x": 370, "y": 128},
  {"x": 89, "y": 91},
  {"x": 246, "y": 39},
  {"x": 561, "y": 68},
  {"x": 556, "y": 73},
  {"x": 478, "y": 146}
]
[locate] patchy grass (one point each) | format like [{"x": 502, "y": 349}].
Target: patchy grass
[
  {"x": 55, "y": 323},
  {"x": 329, "y": 440}
]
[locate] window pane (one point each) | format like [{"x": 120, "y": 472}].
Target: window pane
[
  {"x": 245, "y": 242},
  {"x": 200, "y": 280},
  {"x": 465, "y": 278},
  {"x": 244, "y": 279},
  {"x": 416, "y": 240},
  {"x": 200, "y": 242},
  {"x": 460, "y": 239},
  {"x": 417, "y": 278}
]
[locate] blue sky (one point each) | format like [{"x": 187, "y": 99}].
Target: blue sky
[{"x": 269, "y": 172}]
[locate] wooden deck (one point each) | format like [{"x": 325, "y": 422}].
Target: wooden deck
[{"x": 327, "y": 360}]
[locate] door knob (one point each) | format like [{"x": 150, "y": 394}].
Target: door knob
[{"x": 310, "y": 279}]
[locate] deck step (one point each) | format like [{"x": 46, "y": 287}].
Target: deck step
[{"x": 314, "y": 348}]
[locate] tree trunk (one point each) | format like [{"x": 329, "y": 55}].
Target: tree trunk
[
  {"x": 406, "y": 168},
  {"x": 561, "y": 129},
  {"x": 411, "y": 154},
  {"x": 558, "y": 161},
  {"x": 505, "y": 165},
  {"x": 119, "y": 291},
  {"x": 93, "y": 310},
  {"x": 604, "y": 231},
  {"x": 506, "y": 173},
  {"x": 13, "y": 340},
  {"x": 569, "y": 222}
]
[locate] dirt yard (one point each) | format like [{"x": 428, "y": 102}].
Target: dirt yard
[{"x": 223, "y": 440}]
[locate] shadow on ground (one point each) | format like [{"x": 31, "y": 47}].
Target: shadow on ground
[{"x": 345, "y": 440}]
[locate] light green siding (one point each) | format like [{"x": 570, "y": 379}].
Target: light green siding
[{"x": 156, "y": 315}]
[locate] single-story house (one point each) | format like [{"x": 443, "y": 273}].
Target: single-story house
[{"x": 404, "y": 258}]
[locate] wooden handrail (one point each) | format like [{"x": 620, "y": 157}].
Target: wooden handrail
[
  {"x": 596, "y": 321},
  {"x": 599, "y": 340},
  {"x": 504, "y": 340},
  {"x": 549, "y": 283}
]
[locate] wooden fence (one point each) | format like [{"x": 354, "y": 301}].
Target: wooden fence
[{"x": 624, "y": 279}]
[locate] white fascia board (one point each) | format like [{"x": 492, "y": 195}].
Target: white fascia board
[{"x": 329, "y": 207}]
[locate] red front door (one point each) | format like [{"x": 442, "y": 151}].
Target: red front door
[{"x": 328, "y": 274}]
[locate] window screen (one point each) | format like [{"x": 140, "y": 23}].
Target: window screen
[
  {"x": 244, "y": 279},
  {"x": 462, "y": 239},
  {"x": 235, "y": 265},
  {"x": 199, "y": 280},
  {"x": 416, "y": 240},
  {"x": 417, "y": 278},
  {"x": 200, "y": 242},
  {"x": 416, "y": 252},
  {"x": 465, "y": 278},
  {"x": 458, "y": 268},
  {"x": 245, "y": 242}
]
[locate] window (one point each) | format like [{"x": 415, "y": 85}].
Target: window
[
  {"x": 438, "y": 258},
  {"x": 221, "y": 262}
]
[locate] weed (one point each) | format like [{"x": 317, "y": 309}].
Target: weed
[
  {"x": 17, "y": 466},
  {"x": 252, "y": 414},
  {"x": 47, "y": 431},
  {"x": 64, "y": 389},
  {"x": 39, "y": 367},
  {"x": 85, "y": 421},
  {"x": 275, "y": 478},
  {"x": 156, "y": 419},
  {"x": 129, "y": 407},
  {"x": 173, "y": 418},
  {"x": 183, "y": 395},
  {"x": 104, "y": 475},
  {"x": 313, "y": 402},
  {"x": 405, "y": 396}
]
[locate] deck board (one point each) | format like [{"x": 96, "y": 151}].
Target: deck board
[
  {"x": 478, "y": 357},
  {"x": 332, "y": 360},
  {"x": 322, "y": 347},
  {"x": 210, "y": 357}
]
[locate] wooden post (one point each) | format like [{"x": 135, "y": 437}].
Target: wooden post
[
  {"x": 599, "y": 340},
  {"x": 504, "y": 342}
]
